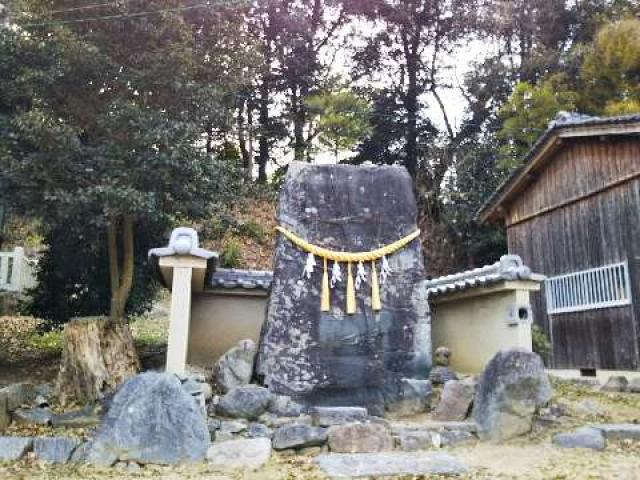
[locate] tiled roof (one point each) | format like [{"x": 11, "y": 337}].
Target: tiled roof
[
  {"x": 563, "y": 121},
  {"x": 246, "y": 279},
  {"x": 510, "y": 267}
]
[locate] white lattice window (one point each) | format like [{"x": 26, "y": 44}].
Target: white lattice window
[{"x": 601, "y": 287}]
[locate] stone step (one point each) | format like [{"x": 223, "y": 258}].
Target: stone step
[
  {"x": 340, "y": 465},
  {"x": 619, "y": 431},
  {"x": 434, "y": 426}
]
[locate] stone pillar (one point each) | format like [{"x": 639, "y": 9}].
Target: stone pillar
[{"x": 183, "y": 267}]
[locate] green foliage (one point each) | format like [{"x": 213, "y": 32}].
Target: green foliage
[
  {"x": 106, "y": 120},
  {"x": 527, "y": 113},
  {"x": 541, "y": 344},
  {"x": 231, "y": 254},
  {"x": 342, "y": 119},
  {"x": 72, "y": 273},
  {"x": 49, "y": 342},
  {"x": 611, "y": 69}
]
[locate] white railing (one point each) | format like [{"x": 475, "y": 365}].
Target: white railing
[
  {"x": 602, "y": 287},
  {"x": 17, "y": 272}
]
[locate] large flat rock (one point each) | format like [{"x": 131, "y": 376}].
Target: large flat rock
[
  {"x": 387, "y": 464},
  {"x": 331, "y": 358}
]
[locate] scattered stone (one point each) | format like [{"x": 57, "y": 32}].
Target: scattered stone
[
  {"x": 299, "y": 436},
  {"x": 248, "y": 454},
  {"x": 414, "y": 397},
  {"x": 259, "y": 430},
  {"x": 451, "y": 438},
  {"x": 329, "y": 416},
  {"x": 414, "y": 440},
  {"x": 441, "y": 375},
  {"x": 41, "y": 401},
  {"x": 274, "y": 421},
  {"x": 18, "y": 394},
  {"x": 512, "y": 388},
  {"x": 235, "y": 367},
  {"x": 151, "y": 420},
  {"x": 232, "y": 426},
  {"x": 83, "y": 418},
  {"x": 312, "y": 451},
  {"x": 619, "y": 431},
  {"x": 456, "y": 400},
  {"x": 14, "y": 448},
  {"x": 284, "y": 406},
  {"x": 388, "y": 464},
  {"x": 55, "y": 449},
  {"x": 44, "y": 390},
  {"x": 129, "y": 467},
  {"x": 5, "y": 416},
  {"x": 590, "y": 407},
  {"x": 398, "y": 428},
  {"x": 634, "y": 385},
  {"x": 32, "y": 416},
  {"x": 360, "y": 438},
  {"x": 248, "y": 401},
  {"x": 616, "y": 383},
  {"x": 585, "y": 437}
]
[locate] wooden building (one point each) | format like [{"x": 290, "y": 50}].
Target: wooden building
[{"x": 572, "y": 212}]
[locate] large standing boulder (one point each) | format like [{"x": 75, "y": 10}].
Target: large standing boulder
[
  {"x": 152, "y": 419},
  {"x": 332, "y": 358},
  {"x": 235, "y": 367},
  {"x": 512, "y": 388}
]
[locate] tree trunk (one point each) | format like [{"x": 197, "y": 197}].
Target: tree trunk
[
  {"x": 411, "y": 105},
  {"x": 98, "y": 355},
  {"x": 121, "y": 283},
  {"x": 263, "y": 144},
  {"x": 242, "y": 141}
]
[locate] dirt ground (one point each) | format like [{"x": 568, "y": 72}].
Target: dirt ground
[{"x": 28, "y": 355}]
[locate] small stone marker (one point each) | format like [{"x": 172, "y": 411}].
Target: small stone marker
[
  {"x": 344, "y": 465},
  {"x": 299, "y": 436},
  {"x": 14, "y": 448},
  {"x": 54, "y": 449},
  {"x": 360, "y": 438},
  {"x": 249, "y": 454},
  {"x": 329, "y": 416},
  {"x": 585, "y": 437}
]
